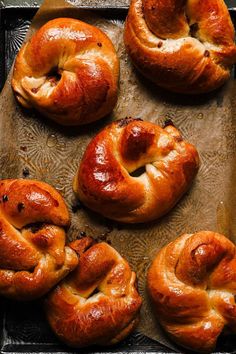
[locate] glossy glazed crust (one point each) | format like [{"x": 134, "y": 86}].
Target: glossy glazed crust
[
  {"x": 33, "y": 256},
  {"x": 98, "y": 303},
  {"x": 68, "y": 71},
  {"x": 184, "y": 46},
  {"x": 104, "y": 182},
  {"x": 192, "y": 284}
]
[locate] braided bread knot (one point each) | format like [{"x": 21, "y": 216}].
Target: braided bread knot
[
  {"x": 185, "y": 46},
  {"x": 68, "y": 71},
  {"x": 98, "y": 303},
  {"x": 192, "y": 283},
  {"x": 33, "y": 256},
  {"x": 106, "y": 180}
]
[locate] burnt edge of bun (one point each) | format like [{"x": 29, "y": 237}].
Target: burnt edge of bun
[{"x": 168, "y": 122}]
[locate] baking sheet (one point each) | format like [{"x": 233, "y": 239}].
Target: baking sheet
[
  {"x": 84, "y": 3},
  {"x": 50, "y": 153}
]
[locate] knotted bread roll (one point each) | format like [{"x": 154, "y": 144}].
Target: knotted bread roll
[
  {"x": 192, "y": 283},
  {"x": 33, "y": 256},
  {"x": 185, "y": 46},
  {"x": 68, "y": 71},
  {"x": 97, "y": 303},
  {"x": 105, "y": 182}
]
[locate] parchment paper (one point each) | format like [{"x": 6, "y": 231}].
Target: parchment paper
[{"x": 31, "y": 143}]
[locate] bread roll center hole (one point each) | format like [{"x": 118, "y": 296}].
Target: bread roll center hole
[
  {"x": 138, "y": 172},
  {"x": 54, "y": 76}
]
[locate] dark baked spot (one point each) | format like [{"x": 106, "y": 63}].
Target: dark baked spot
[
  {"x": 35, "y": 89},
  {"x": 168, "y": 122},
  {"x": 5, "y": 198},
  {"x": 20, "y": 206},
  {"x": 102, "y": 237},
  {"x": 99, "y": 44},
  {"x": 109, "y": 225},
  {"x": 105, "y": 235},
  {"x": 25, "y": 172},
  {"x": 206, "y": 53},
  {"x": 160, "y": 44},
  {"x": 125, "y": 121},
  {"x": 77, "y": 206}
]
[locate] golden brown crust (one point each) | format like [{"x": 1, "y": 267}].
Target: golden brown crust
[
  {"x": 104, "y": 182},
  {"x": 184, "y": 46},
  {"x": 33, "y": 256},
  {"x": 68, "y": 71},
  {"x": 192, "y": 284},
  {"x": 98, "y": 303}
]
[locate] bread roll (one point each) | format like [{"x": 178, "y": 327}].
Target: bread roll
[
  {"x": 68, "y": 71},
  {"x": 33, "y": 256},
  {"x": 98, "y": 303},
  {"x": 183, "y": 46},
  {"x": 192, "y": 284},
  {"x": 106, "y": 181}
]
